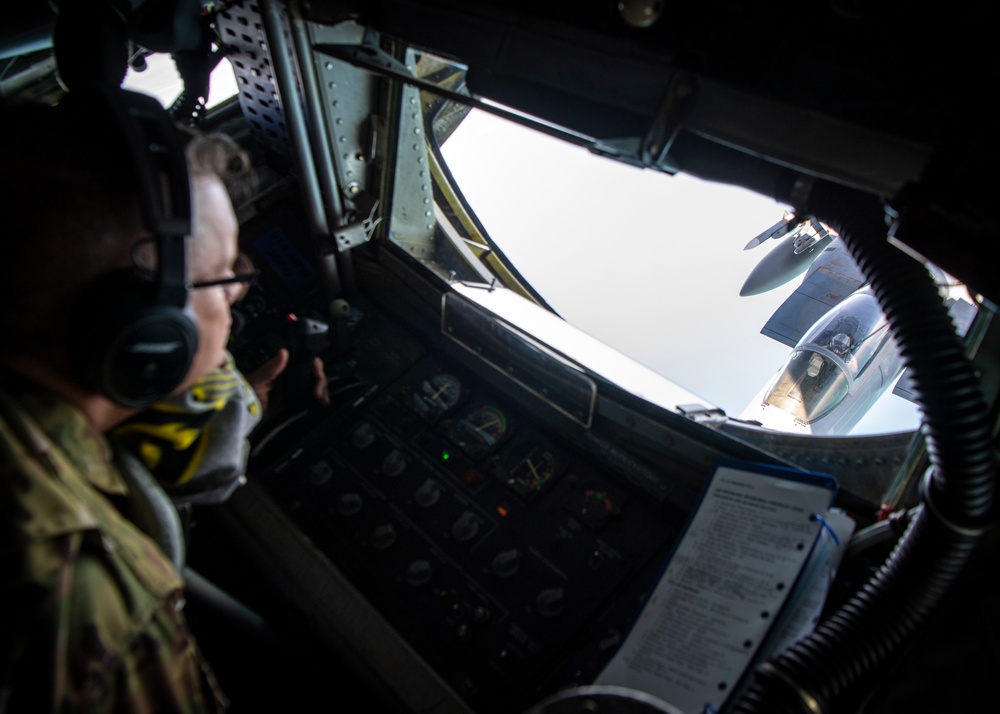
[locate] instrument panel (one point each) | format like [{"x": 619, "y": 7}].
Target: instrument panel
[
  {"x": 475, "y": 533},
  {"x": 501, "y": 552}
]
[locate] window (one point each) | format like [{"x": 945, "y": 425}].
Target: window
[
  {"x": 160, "y": 79},
  {"x": 649, "y": 263}
]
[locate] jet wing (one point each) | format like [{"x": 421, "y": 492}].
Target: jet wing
[
  {"x": 832, "y": 276},
  {"x": 962, "y": 313}
]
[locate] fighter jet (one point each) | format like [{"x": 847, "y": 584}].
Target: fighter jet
[{"x": 844, "y": 357}]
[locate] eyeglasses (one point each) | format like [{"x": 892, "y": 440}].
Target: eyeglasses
[
  {"x": 236, "y": 287},
  {"x": 240, "y": 279}
]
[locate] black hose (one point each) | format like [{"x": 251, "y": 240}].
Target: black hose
[{"x": 848, "y": 650}]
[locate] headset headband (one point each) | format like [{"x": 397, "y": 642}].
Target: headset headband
[
  {"x": 157, "y": 153},
  {"x": 133, "y": 339}
]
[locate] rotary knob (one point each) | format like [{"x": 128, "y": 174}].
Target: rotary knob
[
  {"x": 550, "y": 601},
  {"x": 507, "y": 562},
  {"x": 466, "y": 527},
  {"x": 320, "y": 473},
  {"x": 349, "y": 504},
  {"x": 363, "y": 436},
  {"x": 418, "y": 572},
  {"x": 394, "y": 463},
  {"x": 383, "y": 536},
  {"x": 428, "y": 494}
]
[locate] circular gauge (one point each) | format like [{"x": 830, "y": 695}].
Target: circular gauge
[
  {"x": 531, "y": 467},
  {"x": 597, "y": 505},
  {"x": 486, "y": 424},
  {"x": 593, "y": 504},
  {"x": 436, "y": 395}
]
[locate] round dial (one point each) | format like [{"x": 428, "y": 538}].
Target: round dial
[
  {"x": 487, "y": 424},
  {"x": 531, "y": 466},
  {"x": 436, "y": 395},
  {"x": 593, "y": 504}
]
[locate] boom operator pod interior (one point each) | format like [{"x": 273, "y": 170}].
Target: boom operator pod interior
[{"x": 476, "y": 521}]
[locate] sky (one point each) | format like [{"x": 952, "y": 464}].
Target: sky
[{"x": 649, "y": 263}]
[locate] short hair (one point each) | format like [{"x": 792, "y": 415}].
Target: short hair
[
  {"x": 70, "y": 214},
  {"x": 220, "y": 154}
]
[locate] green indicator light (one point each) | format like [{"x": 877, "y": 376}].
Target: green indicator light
[{"x": 445, "y": 455}]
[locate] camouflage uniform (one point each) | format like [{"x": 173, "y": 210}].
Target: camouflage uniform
[{"x": 91, "y": 606}]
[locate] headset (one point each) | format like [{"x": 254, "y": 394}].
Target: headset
[{"x": 134, "y": 337}]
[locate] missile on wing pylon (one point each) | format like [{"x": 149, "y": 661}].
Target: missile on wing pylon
[{"x": 790, "y": 258}]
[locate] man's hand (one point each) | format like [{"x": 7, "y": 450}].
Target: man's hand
[
  {"x": 262, "y": 379},
  {"x": 321, "y": 390}
]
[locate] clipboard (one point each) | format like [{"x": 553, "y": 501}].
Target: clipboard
[{"x": 722, "y": 597}]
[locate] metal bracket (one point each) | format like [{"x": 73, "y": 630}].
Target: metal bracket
[
  {"x": 709, "y": 416},
  {"x": 681, "y": 93},
  {"x": 358, "y": 232}
]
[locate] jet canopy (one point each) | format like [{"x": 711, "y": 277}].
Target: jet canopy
[{"x": 831, "y": 359}]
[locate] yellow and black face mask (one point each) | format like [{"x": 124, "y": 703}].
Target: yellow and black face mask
[{"x": 195, "y": 443}]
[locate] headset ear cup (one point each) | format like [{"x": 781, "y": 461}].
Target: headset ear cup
[{"x": 132, "y": 350}]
